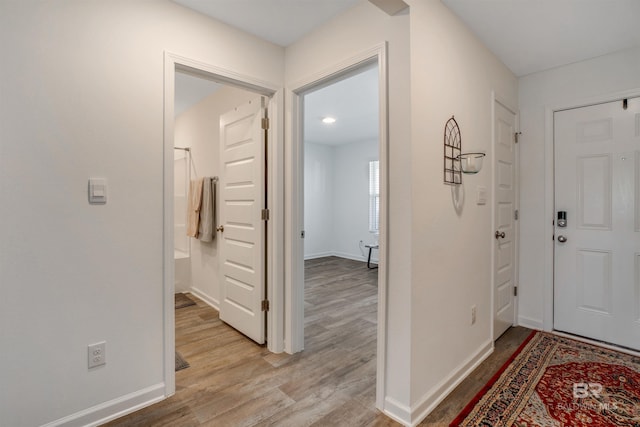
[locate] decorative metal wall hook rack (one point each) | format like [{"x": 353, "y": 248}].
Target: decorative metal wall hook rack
[
  {"x": 452, "y": 151},
  {"x": 455, "y": 161}
]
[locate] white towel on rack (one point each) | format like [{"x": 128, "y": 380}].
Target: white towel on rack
[
  {"x": 193, "y": 210},
  {"x": 207, "y": 211}
]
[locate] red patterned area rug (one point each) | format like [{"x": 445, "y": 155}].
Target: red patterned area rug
[{"x": 552, "y": 381}]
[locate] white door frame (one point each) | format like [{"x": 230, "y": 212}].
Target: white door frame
[
  {"x": 516, "y": 224},
  {"x": 294, "y": 257},
  {"x": 549, "y": 190},
  {"x": 275, "y": 226}
]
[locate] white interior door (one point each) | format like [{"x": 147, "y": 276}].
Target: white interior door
[
  {"x": 504, "y": 219},
  {"x": 597, "y": 254},
  {"x": 242, "y": 237}
]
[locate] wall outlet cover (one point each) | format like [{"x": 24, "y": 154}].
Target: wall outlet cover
[{"x": 97, "y": 354}]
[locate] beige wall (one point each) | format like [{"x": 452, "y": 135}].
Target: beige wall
[
  {"x": 82, "y": 96},
  {"x": 82, "y": 86},
  {"x": 452, "y": 73}
]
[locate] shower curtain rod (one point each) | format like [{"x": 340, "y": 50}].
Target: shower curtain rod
[{"x": 182, "y": 148}]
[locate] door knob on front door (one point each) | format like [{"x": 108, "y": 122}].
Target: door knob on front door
[
  {"x": 562, "y": 239},
  {"x": 220, "y": 228},
  {"x": 500, "y": 235}
]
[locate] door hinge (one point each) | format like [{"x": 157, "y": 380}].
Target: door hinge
[
  {"x": 515, "y": 291},
  {"x": 265, "y": 305},
  {"x": 518, "y": 136},
  {"x": 265, "y": 214},
  {"x": 516, "y": 214},
  {"x": 265, "y": 123},
  {"x": 302, "y": 234}
]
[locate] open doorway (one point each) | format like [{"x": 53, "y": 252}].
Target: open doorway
[
  {"x": 342, "y": 209},
  {"x": 298, "y": 326},
  {"x": 294, "y": 163},
  {"x": 208, "y": 213},
  {"x": 341, "y": 168},
  {"x": 341, "y": 222},
  {"x": 200, "y": 146}
]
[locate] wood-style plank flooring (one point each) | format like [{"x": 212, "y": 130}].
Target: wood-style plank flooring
[{"x": 235, "y": 382}]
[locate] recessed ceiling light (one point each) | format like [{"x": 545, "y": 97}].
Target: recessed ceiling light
[{"x": 328, "y": 120}]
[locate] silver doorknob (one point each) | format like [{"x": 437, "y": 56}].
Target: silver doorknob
[
  {"x": 562, "y": 239},
  {"x": 500, "y": 235}
]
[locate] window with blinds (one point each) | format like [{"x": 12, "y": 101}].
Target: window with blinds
[{"x": 374, "y": 196}]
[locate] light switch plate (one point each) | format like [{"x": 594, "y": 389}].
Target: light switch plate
[
  {"x": 97, "y": 191},
  {"x": 481, "y": 198}
]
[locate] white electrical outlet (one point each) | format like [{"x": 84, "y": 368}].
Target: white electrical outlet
[
  {"x": 97, "y": 354},
  {"x": 473, "y": 314}
]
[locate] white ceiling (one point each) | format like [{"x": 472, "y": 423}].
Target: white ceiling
[
  {"x": 279, "y": 21},
  {"x": 353, "y": 102},
  {"x": 527, "y": 35},
  {"x": 536, "y": 35}
]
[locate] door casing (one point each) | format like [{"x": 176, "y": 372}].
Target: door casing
[
  {"x": 549, "y": 191},
  {"x": 275, "y": 185}
]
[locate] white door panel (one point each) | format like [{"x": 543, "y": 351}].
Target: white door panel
[
  {"x": 597, "y": 158},
  {"x": 242, "y": 196},
  {"x": 504, "y": 209}
]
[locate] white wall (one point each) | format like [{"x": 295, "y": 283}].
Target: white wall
[
  {"x": 82, "y": 96},
  {"x": 319, "y": 212},
  {"x": 452, "y": 73},
  {"x": 336, "y": 199},
  {"x": 199, "y": 128},
  {"x": 561, "y": 87},
  {"x": 350, "y": 33},
  {"x": 351, "y": 198}
]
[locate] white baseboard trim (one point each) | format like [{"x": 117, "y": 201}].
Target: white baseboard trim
[
  {"x": 530, "y": 323},
  {"x": 206, "y": 298},
  {"x": 318, "y": 255},
  {"x": 397, "y": 411},
  {"x": 437, "y": 394},
  {"x": 354, "y": 257},
  {"x": 116, "y": 408}
]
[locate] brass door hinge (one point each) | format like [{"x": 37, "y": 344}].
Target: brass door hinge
[
  {"x": 515, "y": 291},
  {"x": 265, "y": 123},
  {"x": 265, "y": 214},
  {"x": 265, "y": 305}
]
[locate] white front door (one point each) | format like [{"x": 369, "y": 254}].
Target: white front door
[
  {"x": 242, "y": 237},
  {"x": 504, "y": 219},
  {"x": 597, "y": 253}
]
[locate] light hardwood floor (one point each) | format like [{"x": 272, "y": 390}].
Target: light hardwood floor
[{"x": 235, "y": 382}]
